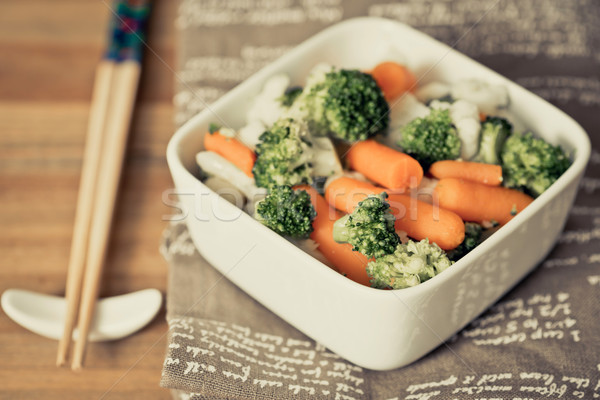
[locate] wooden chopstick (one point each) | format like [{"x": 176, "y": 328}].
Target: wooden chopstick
[
  {"x": 123, "y": 91},
  {"x": 85, "y": 201},
  {"x": 117, "y": 78}
]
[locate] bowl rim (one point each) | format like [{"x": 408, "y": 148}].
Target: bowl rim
[{"x": 580, "y": 159}]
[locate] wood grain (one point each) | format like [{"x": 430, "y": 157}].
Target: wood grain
[{"x": 49, "y": 54}]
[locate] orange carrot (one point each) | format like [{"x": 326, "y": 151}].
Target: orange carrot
[
  {"x": 232, "y": 150},
  {"x": 394, "y": 79},
  {"x": 324, "y": 212},
  {"x": 421, "y": 220},
  {"x": 477, "y": 202},
  {"x": 417, "y": 218},
  {"x": 384, "y": 165},
  {"x": 482, "y": 117},
  {"x": 488, "y": 174},
  {"x": 345, "y": 193},
  {"x": 350, "y": 263}
]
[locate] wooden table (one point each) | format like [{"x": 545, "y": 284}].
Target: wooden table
[{"x": 48, "y": 53}]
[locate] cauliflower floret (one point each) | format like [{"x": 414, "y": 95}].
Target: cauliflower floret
[
  {"x": 462, "y": 109},
  {"x": 267, "y": 107},
  {"x": 465, "y": 117},
  {"x": 487, "y": 97},
  {"x": 432, "y": 91},
  {"x": 406, "y": 109},
  {"x": 317, "y": 74},
  {"x": 468, "y": 131},
  {"x": 298, "y": 110},
  {"x": 250, "y": 133}
]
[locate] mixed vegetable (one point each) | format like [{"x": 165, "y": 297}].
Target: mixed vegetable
[{"x": 387, "y": 183}]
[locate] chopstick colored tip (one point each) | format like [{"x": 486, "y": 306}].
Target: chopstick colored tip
[{"x": 128, "y": 29}]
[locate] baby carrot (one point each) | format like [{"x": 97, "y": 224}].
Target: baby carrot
[
  {"x": 477, "y": 202},
  {"x": 324, "y": 212},
  {"x": 394, "y": 79},
  {"x": 350, "y": 263},
  {"x": 384, "y": 165},
  {"x": 345, "y": 193},
  {"x": 231, "y": 149},
  {"x": 488, "y": 174},
  {"x": 417, "y": 218},
  {"x": 421, "y": 220}
]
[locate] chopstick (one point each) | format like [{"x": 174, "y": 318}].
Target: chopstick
[
  {"x": 85, "y": 201},
  {"x": 124, "y": 87},
  {"x": 115, "y": 87}
]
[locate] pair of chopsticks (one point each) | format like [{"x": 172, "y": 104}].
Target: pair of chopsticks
[{"x": 115, "y": 87}]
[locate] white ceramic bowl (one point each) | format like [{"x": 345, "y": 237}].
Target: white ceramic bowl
[{"x": 376, "y": 329}]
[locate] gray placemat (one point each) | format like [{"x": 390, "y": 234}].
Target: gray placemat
[
  {"x": 542, "y": 340},
  {"x": 223, "y": 344}
]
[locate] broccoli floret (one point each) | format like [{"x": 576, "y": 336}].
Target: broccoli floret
[
  {"x": 286, "y": 211},
  {"x": 347, "y": 104},
  {"x": 494, "y": 132},
  {"x": 431, "y": 138},
  {"x": 409, "y": 265},
  {"x": 472, "y": 239},
  {"x": 369, "y": 228},
  {"x": 532, "y": 164},
  {"x": 283, "y": 155},
  {"x": 290, "y": 95}
]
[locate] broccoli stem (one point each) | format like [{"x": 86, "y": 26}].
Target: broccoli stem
[
  {"x": 341, "y": 234},
  {"x": 494, "y": 132}
]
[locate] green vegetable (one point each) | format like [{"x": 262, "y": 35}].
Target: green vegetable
[
  {"x": 347, "y": 104},
  {"x": 283, "y": 155},
  {"x": 290, "y": 96},
  {"x": 472, "y": 239},
  {"x": 494, "y": 132},
  {"x": 212, "y": 128},
  {"x": 531, "y": 164},
  {"x": 286, "y": 211},
  {"x": 431, "y": 138},
  {"x": 370, "y": 227},
  {"x": 409, "y": 265}
]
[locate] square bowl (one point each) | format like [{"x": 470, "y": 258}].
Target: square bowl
[{"x": 375, "y": 329}]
